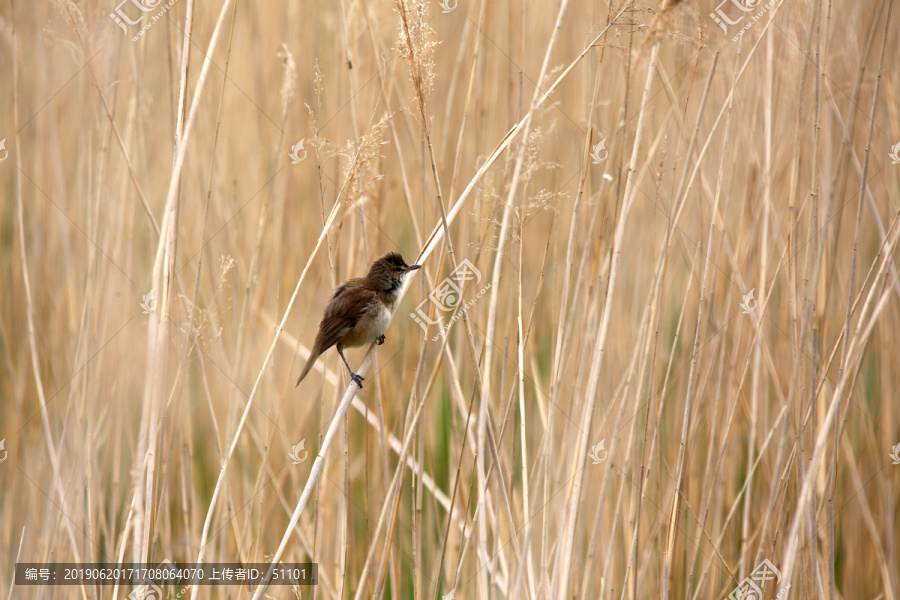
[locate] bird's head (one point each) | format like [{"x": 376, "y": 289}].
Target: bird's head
[{"x": 389, "y": 272}]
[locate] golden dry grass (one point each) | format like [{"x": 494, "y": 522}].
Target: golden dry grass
[{"x": 612, "y": 416}]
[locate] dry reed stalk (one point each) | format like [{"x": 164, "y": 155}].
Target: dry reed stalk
[
  {"x": 523, "y": 434},
  {"x": 870, "y": 199},
  {"x": 564, "y": 301},
  {"x": 760, "y": 286},
  {"x": 331, "y": 218},
  {"x": 692, "y": 375},
  {"x": 713, "y": 219},
  {"x": 485, "y": 381},
  {"x": 793, "y": 539},
  {"x": 29, "y": 304},
  {"x": 684, "y": 184},
  {"x": 573, "y": 495},
  {"x": 417, "y": 49},
  {"x": 376, "y": 423},
  {"x": 158, "y": 329},
  {"x": 18, "y": 550}
]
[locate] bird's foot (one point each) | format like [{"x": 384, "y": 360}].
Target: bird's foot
[
  {"x": 380, "y": 339},
  {"x": 358, "y": 379}
]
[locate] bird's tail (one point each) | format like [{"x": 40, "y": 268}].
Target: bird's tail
[{"x": 309, "y": 365}]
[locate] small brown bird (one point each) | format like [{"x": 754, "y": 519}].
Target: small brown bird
[{"x": 360, "y": 310}]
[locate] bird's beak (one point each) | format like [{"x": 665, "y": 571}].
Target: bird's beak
[{"x": 413, "y": 268}]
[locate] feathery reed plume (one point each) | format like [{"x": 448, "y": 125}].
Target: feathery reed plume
[{"x": 416, "y": 46}]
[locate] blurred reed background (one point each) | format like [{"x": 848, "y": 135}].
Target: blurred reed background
[{"x": 678, "y": 358}]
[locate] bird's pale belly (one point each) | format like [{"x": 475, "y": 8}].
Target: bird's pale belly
[{"x": 368, "y": 328}]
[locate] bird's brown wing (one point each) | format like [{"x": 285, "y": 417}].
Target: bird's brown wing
[{"x": 349, "y": 303}]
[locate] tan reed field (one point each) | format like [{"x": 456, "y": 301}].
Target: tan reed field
[{"x": 653, "y": 350}]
